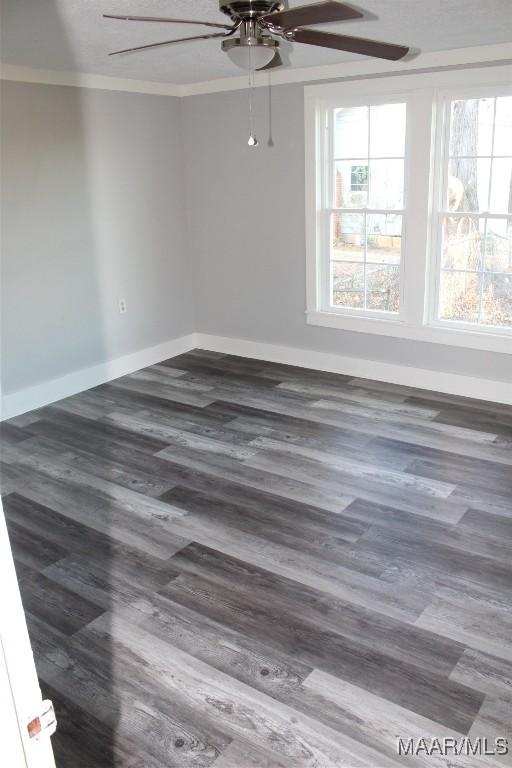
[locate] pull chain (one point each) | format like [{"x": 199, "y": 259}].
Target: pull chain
[
  {"x": 253, "y": 141},
  {"x": 270, "y": 142}
]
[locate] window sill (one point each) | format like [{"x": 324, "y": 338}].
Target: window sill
[{"x": 456, "y": 337}]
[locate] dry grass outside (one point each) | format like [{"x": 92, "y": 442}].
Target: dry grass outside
[
  {"x": 480, "y": 288},
  {"x": 381, "y": 287},
  {"x": 476, "y": 298}
]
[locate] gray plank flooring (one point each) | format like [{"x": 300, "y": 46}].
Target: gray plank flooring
[{"x": 239, "y": 564}]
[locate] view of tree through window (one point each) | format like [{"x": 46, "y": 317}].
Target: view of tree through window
[
  {"x": 367, "y": 213},
  {"x": 476, "y": 263}
]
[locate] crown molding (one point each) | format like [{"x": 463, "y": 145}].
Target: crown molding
[
  {"x": 459, "y": 58},
  {"x": 84, "y": 80}
]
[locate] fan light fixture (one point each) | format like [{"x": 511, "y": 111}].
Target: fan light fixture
[
  {"x": 251, "y": 53},
  {"x": 251, "y": 56}
]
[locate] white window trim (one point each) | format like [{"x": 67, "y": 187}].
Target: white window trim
[{"x": 423, "y": 93}]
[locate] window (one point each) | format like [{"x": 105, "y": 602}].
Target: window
[
  {"x": 409, "y": 207},
  {"x": 475, "y": 223},
  {"x": 365, "y": 205}
]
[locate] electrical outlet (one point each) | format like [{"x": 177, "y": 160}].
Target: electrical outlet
[{"x": 122, "y": 306}]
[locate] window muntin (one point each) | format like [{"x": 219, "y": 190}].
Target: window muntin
[
  {"x": 475, "y": 266},
  {"x": 366, "y": 207}
]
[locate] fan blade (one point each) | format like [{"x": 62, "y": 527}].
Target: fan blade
[
  {"x": 276, "y": 62},
  {"x": 319, "y": 13},
  {"x": 353, "y": 44},
  {"x": 163, "y": 20},
  {"x": 168, "y": 42}
]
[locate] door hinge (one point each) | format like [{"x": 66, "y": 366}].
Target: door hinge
[{"x": 44, "y": 723}]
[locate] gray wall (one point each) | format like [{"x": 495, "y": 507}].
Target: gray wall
[
  {"x": 160, "y": 201},
  {"x": 247, "y": 240},
  {"x": 92, "y": 210}
]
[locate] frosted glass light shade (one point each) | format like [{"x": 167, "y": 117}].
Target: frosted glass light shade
[{"x": 251, "y": 56}]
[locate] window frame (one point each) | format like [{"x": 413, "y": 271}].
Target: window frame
[
  {"x": 423, "y": 93},
  {"x": 326, "y": 182},
  {"x": 441, "y": 172}
]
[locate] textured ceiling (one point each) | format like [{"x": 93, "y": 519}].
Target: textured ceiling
[{"x": 71, "y": 35}]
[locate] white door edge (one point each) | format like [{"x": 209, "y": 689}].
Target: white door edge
[{"x": 20, "y": 697}]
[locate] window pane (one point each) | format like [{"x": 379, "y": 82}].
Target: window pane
[
  {"x": 501, "y": 189},
  {"x": 351, "y": 184},
  {"x": 497, "y": 300},
  {"x": 347, "y": 236},
  {"x": 503, "y": 130},
  {"x": 468, "y": 185},
  {"x": 384, "y": 238},
  {"x": 386, "y": 184},
  {"x": 351, "y": 132},
  {"x": 365, "y": 249},
  {"x": 348, "y": 285},
  {"x": 383, "y": 288},
  {"x": 498, "y": 245},
  {"x": 460, "y": 296},
  {"x": 387, "y": 130},
  {"x": 476, "y": 258},
  {"x": 462, "y": 243},
  {"x": 471, "y": 127}
]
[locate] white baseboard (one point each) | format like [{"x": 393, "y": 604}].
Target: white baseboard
[
  {"x": 437, "y": 381},
  {"x": 50, "y": 391}
]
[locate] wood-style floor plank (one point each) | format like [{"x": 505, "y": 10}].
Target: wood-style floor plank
[
  {"x": 237, "y": 708},
  {"x": 484, "y": 673},
  {"x": 407, "y": 684}
]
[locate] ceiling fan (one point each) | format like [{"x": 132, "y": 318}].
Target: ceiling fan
[{"x": 260, "y": 22}]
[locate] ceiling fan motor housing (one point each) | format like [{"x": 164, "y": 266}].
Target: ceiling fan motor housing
[
  {"x": 261, "y": 41},
  {"x": 240, "y": 10},
  {"x": 254, "y": 48}
]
